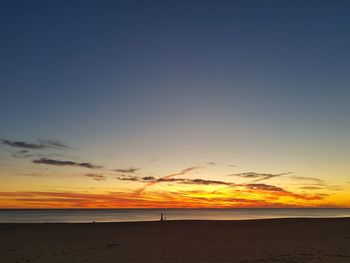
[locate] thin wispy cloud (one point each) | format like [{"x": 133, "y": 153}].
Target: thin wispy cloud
[
  {"x": 22, "y": 154},
  {"x": 130, "y": 170},
  {"x": 182, "y": 172},
  {"x": 154, "y": 180},
  {"x": 21, "y": 144},
  {"x": 66, "y": 163},
  {"x": 264, "y": 187},
  {"x": 41, "y": 144},
  {"x": 310, "y": 179},
  {"x": 259, "y": 176},
  {"x": 96, "y": 177},
  {"x": 54, "y": 144}
]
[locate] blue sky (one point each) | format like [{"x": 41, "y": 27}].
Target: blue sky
[{"x": 262, "y": 84}]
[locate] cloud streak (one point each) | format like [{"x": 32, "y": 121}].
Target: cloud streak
[
  {"x": 259, "y": 176},
  {"x": 96, "y": 177},
  {"x": 41, "y": 144},
  {"x": 65, "y": 163},
  {"x": 22, "y": 154},
  {"x": 264, "y": 187},
  {"x": 182, "y": 172},
  {"x": 154, "y": 180},
  {"x": 312, "y": 179},
  {"x": 130, "y": 170}
]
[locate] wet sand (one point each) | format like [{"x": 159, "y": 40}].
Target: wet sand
[{"x": 275, "y": 240}]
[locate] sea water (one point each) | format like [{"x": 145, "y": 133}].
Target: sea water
[{"x": 128, "y": 215}]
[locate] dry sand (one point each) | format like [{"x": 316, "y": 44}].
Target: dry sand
[{"x": 276, "y": 240}]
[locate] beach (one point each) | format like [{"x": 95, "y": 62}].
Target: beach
[{"x": 248, "y": 241}]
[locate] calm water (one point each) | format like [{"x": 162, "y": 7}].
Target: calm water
[{"x": 123, "y": 215}]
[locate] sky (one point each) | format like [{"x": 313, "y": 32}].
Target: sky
[{"x": 174, "y": 104}]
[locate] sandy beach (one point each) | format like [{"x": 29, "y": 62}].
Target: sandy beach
[{"x": 276, "y": 240}]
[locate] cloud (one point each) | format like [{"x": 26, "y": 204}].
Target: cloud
[
  {"x": 264, "y": 187},
  {"x": 248, "y": 175},
  {"x": 164, "y": 178},
  {"x": 54, "y": 144},
  {"x": 28, "y": 154},
  {"x": 128, "y": 170},
  {"x": 148, "y": 178},
  {"x": 65, "y": 163},
  {"x": 21, "y": 144},
  {"x": 97, "y": 177},
  {"x": 278, "y": 191},
  {"x": 22, "y": 154},
  {"x": 153, "y": 180},
  {"x": 183, "y": 172},
  {"x": 206, "y": 182},
  {"x": 42, "y": 144},
  {"x": 131, "y": 178},
  {"x": 312, "y": 179},
  {"x": 259, "y": 176}
]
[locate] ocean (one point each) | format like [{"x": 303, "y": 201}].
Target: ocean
[{"x": 128, "y": 215}]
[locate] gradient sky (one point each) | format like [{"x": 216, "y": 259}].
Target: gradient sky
[{"x": 213, "y": 103}]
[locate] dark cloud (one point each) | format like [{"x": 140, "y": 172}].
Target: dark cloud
[
  {"x": 97, "y": 177},
  {"x": 128, "y": 170},
  {"x": 264, "y": 187},
  {"x": 148, "y": 178},
  {"x": 65, "y": 163},
  {"x": 248, "y": 175},
  {"x": 153, "y": 180},
  {"x": 42, "y": 144},
  {"x": 131, "y": 178},
  {"x": 259, "y": 176},
  {"x": 21, "y": 144},
  {"x": 212, "y": 163},
  {"x": 206, "y": 182}
]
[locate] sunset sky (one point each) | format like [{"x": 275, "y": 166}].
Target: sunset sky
[{"x": 174, "y": 104}]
